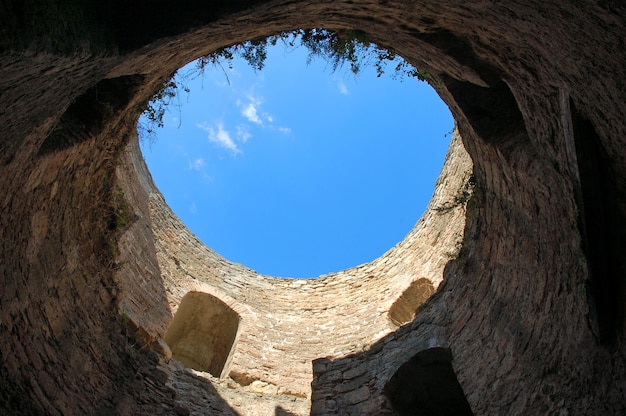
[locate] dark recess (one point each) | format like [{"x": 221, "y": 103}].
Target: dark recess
[
  {"x": 141, "y": 22},
  {"x": 602, "y": 232},
  {"x": 14, "y": 395},
  {"x": 427, "y": 386},
  {"x": 492, "y": 112},
  {"x": 86, "y": 116},
  {"x": 461, "y": 50}
]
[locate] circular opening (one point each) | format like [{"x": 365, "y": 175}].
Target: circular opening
[{"x": 300, "y": 168}]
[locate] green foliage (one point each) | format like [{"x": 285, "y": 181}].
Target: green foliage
[
  {"x": 121, "y": 214},
  {"x": 161, "y": 100},
  {"x": 347, "y": 47},
  {"x": 354, "y": 47},
  {"x": 462, "y": 196},
  {"x": 458, "y": 247}
]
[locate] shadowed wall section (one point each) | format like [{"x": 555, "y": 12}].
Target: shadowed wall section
[
  {"x": 93, "y": 263},
  {"x": 427, "y": 386}
]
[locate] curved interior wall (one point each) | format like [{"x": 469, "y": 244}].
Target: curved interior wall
[
  {"x": 287, "y": 323},
  {"x": 531, "y": 310}
]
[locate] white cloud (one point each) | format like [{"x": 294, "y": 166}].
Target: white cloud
[
  {"x": 250, "y": 112},
  {"x": 243, "y": 134},
  {"x": 342, "y": 87},
  {"x": 193, "y": 208},
  {"x": 221, "y": 137},
  {"x": 253, "y": 113},
  {"x": 197, "y": 164}
]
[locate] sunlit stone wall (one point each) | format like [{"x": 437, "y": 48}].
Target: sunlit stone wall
[
  {"x": 287, "y": 323},
  {"x": 530, "y": 312}
]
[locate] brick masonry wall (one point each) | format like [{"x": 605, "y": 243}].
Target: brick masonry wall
[
  {"x": 531, "y": 310},
  {"x": 288, "y": 323}
]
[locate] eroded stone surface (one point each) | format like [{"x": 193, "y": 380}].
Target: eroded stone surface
[
  {"x": 202, "y": 333},
  {"x": 407, "y": 305},
  {"x": 531, "y": 309},
  {"x": 287, "y": 323}
]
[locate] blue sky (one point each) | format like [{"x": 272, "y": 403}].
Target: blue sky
[{"x": 297, "y": 170}]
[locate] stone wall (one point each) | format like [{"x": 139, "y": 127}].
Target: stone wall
[
  {"x": 287, "y": 323},
  {"x": 530, "y": 311}
]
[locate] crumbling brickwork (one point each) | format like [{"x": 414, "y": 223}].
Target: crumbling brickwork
[{"x": 528, "y": 312}]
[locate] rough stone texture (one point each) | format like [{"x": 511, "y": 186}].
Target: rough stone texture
[
  {"x": 407, "y": 305},
  {"x": 287, "y": 323},
  {"x": 92, "y": 270},
  {"x": 427, "y": 382},
  {"x": 202, "y": 334}
]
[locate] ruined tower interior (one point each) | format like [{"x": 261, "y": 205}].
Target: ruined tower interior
[{"x": 507, "y": 297}]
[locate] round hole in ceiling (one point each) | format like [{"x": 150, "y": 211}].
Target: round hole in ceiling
[{"x": 300, "y": 168}]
